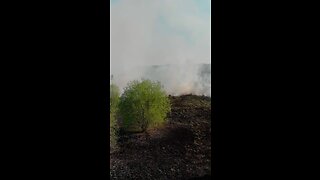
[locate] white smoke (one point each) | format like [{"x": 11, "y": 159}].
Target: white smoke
[{"x": 160, "y": 32}]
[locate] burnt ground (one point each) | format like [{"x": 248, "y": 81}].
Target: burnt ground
[{"x": 181, "y": 149}]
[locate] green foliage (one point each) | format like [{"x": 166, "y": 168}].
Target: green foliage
[
  {"x": 143, "y": 104},
  {"x": 114, "y": 98},
  {"x": 113, "y": 131},
  {"x": 114, "y": 102}
]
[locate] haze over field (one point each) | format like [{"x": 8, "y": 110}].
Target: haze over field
[{"x": 175, "y": 35}]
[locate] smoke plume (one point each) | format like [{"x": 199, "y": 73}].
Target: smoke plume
[{"x": 164, "y": 40}]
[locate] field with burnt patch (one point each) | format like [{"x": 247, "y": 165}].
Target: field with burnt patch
[{"x": 181, "y": 149}]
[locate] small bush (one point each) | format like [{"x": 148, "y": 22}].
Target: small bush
[{"x": 143, "y": 104}]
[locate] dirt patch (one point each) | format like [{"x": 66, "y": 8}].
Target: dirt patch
[{"x": 179, "y": 150}]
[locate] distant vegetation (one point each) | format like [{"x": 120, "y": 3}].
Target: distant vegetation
[{"x": 114, "y": 98}]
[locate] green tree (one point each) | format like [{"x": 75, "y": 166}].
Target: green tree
[{"x": 143, "y": 104}]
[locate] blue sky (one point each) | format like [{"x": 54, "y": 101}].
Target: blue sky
[{"x": 204, "y": 5}]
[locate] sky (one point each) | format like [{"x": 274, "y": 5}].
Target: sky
[{"x": 156, "y": 32}]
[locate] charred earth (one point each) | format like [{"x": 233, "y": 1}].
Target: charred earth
[{"x": 181, "y": 149}]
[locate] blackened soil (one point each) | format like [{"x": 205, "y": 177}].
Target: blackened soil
[{"x": 179, "y": 150}]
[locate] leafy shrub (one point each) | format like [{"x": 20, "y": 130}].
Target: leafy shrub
[
  {"x": 143, "y": 104},
  {"x": 114, "y": 102}
]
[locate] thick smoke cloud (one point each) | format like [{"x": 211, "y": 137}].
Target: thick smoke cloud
[{"x": 161, "y": 32}]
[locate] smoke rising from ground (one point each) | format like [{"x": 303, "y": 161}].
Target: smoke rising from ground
[{"x": 174, "y": 34}]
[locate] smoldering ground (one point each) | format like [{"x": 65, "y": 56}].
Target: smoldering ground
[{"x": 176, "y": 79}]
